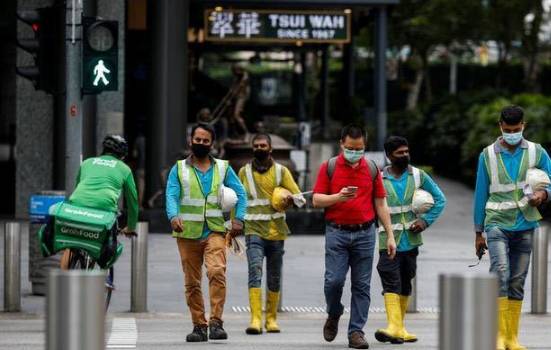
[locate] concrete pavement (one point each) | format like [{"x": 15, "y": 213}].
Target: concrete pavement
[{"x": 448, "y": 248}]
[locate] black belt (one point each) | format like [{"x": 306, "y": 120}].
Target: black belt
[{"x": 352, "y": 227}]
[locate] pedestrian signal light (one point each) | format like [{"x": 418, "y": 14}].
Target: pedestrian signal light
[{"x": 99, "y": 55}]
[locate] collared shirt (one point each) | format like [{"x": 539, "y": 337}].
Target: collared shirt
[
  {"x": 205, "y": 179},
  {"x": 427, "y": 184},
  {"x": 357, "y": 210},
  {"x": 512, "y": 162}
]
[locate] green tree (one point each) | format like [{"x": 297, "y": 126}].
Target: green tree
[{"x": 422, "y": 25}]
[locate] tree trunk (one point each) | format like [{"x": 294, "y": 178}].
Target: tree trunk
[
  {"x": 530, "y": 45},
  {"x": 503, "y": 53},
  {"x": 426, "y": 73},
  {"x": 453, "y": 73},
  {"x": 415, "y": 90}
]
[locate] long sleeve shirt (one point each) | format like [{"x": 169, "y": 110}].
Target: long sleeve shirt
[
  {"x": 99, "y": 184},
  {"x": 512, "y": 162},
  {"x": 427, "y": 183},
  {"x": 173, "y": 191}
]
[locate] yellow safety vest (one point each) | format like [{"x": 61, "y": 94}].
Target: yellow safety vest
[{"x": 197, "y": 207}]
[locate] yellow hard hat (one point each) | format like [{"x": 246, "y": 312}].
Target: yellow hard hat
[{"x": 279, "y": 198}]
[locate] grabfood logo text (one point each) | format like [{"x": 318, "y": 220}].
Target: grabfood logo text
[{"x": 79, "y": 232}]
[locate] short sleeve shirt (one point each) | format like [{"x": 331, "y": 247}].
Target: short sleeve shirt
[{"x": 359, "y": 209}]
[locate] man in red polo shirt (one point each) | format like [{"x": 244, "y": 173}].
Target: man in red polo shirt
[{"x": 352, "y": 199}]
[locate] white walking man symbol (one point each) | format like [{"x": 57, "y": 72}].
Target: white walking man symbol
[{"x": 99, "y": 72}]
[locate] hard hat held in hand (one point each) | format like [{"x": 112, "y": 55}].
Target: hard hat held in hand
[
  {"x": 537, "y": 179},
  {"x": 279, "y": 199},
  {"x": 227, "y": 198},
  {"x": 422, "y": 201}
]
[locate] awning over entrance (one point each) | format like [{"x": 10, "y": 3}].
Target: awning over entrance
[{"x": 172, "y": 18}]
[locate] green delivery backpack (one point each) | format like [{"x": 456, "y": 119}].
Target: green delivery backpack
[{"x": 72, "y": 226}]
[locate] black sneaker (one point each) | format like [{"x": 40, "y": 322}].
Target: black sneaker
[
  {"x": 199, "y": 334},
  {"x": 216, "y": 331}
]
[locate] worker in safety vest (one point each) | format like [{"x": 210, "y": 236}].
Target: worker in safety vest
[
  {"x": 402, "y": 183},
  {"x": 269, "y": 185},
  {"x": 194, "y": 208},
  {"x": 505, "y": 209}
]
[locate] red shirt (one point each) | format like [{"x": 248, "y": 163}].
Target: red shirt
[{"x": 353, "y": 211}]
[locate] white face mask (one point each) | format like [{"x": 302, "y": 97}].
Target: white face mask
[
  {"x": 512, "y": 139},
  {"x": 353, "y": 156}
]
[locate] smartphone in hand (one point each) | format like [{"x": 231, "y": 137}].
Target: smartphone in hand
[{"x": 352, "y": 189}]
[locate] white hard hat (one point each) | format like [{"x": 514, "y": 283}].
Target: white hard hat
[
  {"x": 227, "y": 198},
  {"x": 422, "y": 201},
  {"x": 537, "y": 179}
]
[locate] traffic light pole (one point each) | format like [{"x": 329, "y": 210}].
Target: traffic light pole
[{"x": 73, "y": 99}]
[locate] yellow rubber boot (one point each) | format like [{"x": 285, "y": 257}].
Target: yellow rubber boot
[
  {"x": 255, "y": 302},
  {"x": 272, "y": 301},
  {"x": 408, "y": 337},
  {"x": 502, "y": 314},
  {"x": 393, "y": 333},
  {"x": 514, "y": 312}
]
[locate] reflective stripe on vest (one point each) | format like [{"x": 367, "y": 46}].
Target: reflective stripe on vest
[
  {"x": 264, "y": 217},
  {"x": 507, "y": 205},
  {"x": 398, "y": 227}
]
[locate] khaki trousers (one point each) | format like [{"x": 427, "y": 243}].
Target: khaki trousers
[{"x": 211, "y": 252}]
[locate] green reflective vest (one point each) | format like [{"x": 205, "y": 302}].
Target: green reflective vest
[
  {"x": 197, "y": 208},
  {"x": 506, "y": 196},
  {"x": 260, "y": 213},
  {"x": 401, "y": 213}
]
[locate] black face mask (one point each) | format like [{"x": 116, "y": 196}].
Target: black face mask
[
  {"x": 401, "y": 162},
  {"x": 261, "y": 154},
  {"x": 199, "y": 150}
]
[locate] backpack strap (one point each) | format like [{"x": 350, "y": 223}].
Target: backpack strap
[
  {"x": 331, "y": 164},
  {"x": 373, "y": 170}
]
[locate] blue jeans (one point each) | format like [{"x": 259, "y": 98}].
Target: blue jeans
[
  {"x": 257, "y": 249},
  {"x": 354, "y": 250},
  {"x": 509, "y": 259}
]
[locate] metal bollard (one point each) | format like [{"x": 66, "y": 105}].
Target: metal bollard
[
  {"x": 468, "y": 312},
  {"x": 12, "y": 266},
  {"x": 138, "y": 292},
  {"x": 539, "y": 270},
  {"x": 280, "y": 304},
  {"x": 412, "y": 306},
  {"x": 75, "y": 310}
]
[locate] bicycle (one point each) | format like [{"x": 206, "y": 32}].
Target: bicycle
[
  {"x": 81, "y": 260},
  {"x": 85, "y": 236}
]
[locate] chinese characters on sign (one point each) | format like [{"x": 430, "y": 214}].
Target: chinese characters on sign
[{"x": 277, "y": 26}]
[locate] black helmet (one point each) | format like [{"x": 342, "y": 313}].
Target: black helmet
[{"x": 116, "y": 145}]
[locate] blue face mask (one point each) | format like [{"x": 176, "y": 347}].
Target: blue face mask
[
  {"x": 353, "y": 156},
  {"x": 512, "y": 139}
]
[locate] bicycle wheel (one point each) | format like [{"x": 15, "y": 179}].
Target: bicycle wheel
[{"x": 80, "y": 260}]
